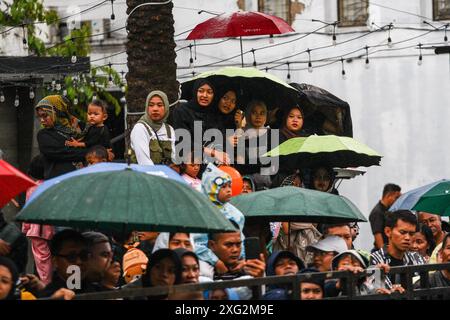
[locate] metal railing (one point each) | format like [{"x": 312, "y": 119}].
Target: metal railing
[{"x": 349, "y": 281}]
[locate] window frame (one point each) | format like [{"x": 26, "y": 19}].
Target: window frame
[
  {"x": 436, "y": 16},
  {"x": 349, "y": 24},
  {"x": 287, "y": 3}
]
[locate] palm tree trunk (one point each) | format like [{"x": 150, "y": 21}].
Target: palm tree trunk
[{"x": 151, "y": 55}]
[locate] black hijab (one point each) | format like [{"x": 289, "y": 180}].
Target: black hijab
[
  {"x": 9, "y": 264},
  {"x": 156, "y": 257}
]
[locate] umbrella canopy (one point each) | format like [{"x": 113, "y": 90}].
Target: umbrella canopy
[
  {"x": 330, "y": 151},
  {"x": 12, "y": 182},
  {"x": 239, "y": 24},
  {"x": 297, "y": 204},
  {"x": 125, "y": 201},
  {"x": 159, "y": 170},
  {"x": 432, "y": 198},
  {"x": 318, "y": 105},
  {"x": 250, "y": 84}
]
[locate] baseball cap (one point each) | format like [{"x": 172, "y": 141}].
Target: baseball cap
[{"x": 330, "y": 243}]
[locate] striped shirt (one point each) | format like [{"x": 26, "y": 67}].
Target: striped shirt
[{"x": 382, "y": 256}]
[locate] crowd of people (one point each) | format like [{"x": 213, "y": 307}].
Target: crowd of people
[{"x": 144, "y": 258}]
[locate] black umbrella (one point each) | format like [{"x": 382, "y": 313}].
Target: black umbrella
[{"x": 320, "y": 105}]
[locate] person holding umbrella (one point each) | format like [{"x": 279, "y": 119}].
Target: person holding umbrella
[{"x": 197, "y": 111}]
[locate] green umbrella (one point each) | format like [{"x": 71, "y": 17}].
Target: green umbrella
[
  {"x": 124, "y": 201},
  {"x": 329, "y": 150},
  {"x": 250, "y": 83},
  {"x": 297, "y": 204}
]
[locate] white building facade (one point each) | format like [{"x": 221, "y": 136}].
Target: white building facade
[{"x": 398, "y": 108}]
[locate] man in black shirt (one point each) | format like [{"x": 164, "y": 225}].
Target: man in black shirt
[{"x": 377, "y": 218}]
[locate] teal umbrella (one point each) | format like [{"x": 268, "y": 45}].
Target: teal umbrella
[
  {"x": 432, "y": 198},
  {"x": 330, "y": 150},
  {"x": 297, "y": 204},
  {"x": 124, "y": 201}
]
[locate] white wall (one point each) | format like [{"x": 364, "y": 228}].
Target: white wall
[{"x": 398, "y": 108}]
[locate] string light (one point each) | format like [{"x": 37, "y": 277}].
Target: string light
[
  {"x": 419, "y": 62},
  {"x": 58, "y": 86},
  {"x": 389, "y": 40},
  {"x": 73, "y": 59},
  {"x": 2, "y": 97},
  {"x": 65, "y": 93},
  {"x": 113, "y": 16},
  {"x": 367, "y": 65},
  {"x": 445, "y": 33},
  {"x": 334, "y": 34},
  {"x": 344, "y": 77},
  {"x": 310, "y": 67},
  {"x": 94, "y": 96},
  {"x": 289, "y": 71},
  {"x": 254, "y": 59},
  {"x": 31, "y": 95},
  {"x": 75, "y": 101},
  {"x": 271, "y": 39},
  {"x": 191, "y": 60},
  {"x": 24, "y": 39},
  {"x": 16, "y": 99}
]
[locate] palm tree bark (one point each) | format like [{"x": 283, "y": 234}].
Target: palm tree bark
[{"x": 151, "y": 55}]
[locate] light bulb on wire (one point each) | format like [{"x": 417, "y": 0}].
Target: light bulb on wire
[
  {"x": 94, "y": 96},
  {"x": 58, "y": 86},
  {"x": 334, "y": 35},
  {"x": 75, "y": 101},
  {"x": 31, "y": 93},
  {"x": 2, "y": 97},
  {"x": 16, "y": 100},
  {"x": 390, "y": 44},
  {"x": 344, "y": 76},
  {"x": 367, "y": 65},
  {"x": 271, "y": 39},
  {"x": 73, "y": 59},
  {"x": 110, "y": 81},
  {"x": 310, "y": 67},
  {"x": 419, "y": 62},
  {"x": 64, "y": 92},
  {"x": 123, "y": 88}
]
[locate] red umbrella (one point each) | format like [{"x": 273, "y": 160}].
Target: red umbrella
[
  {"x": 240, "y": 24},
  {"x": 12, "y": 182}
]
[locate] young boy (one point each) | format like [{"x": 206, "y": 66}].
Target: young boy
[
  {"x": 96, "y": 154},
  {"x": 95, "y": 132},
  {"x": 216, "y": 184}
]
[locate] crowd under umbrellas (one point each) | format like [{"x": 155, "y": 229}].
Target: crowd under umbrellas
[{"x": 254, "y": 196}]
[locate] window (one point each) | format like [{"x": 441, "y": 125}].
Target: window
[
  {"x": 279, "y": 8},
  {"x": 353, "y": 13},
  {"x": 441, "y": 9}
]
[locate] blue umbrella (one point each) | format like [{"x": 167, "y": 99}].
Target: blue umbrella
[
  {"x": 157, "y": 170},
  {"x": 432, "y": 198}
]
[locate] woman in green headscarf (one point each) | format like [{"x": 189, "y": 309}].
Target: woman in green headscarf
[
  {"x": 152, "y": 140},
  {"x": 53, "y": 113}
]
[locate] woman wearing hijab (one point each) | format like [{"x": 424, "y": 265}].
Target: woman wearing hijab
[
  {"x": 195, "y": 111},
  {"x": 152, "y": 140},
  {"x": 57, "y": 122},
  {"x": 163, "y": 269}
]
